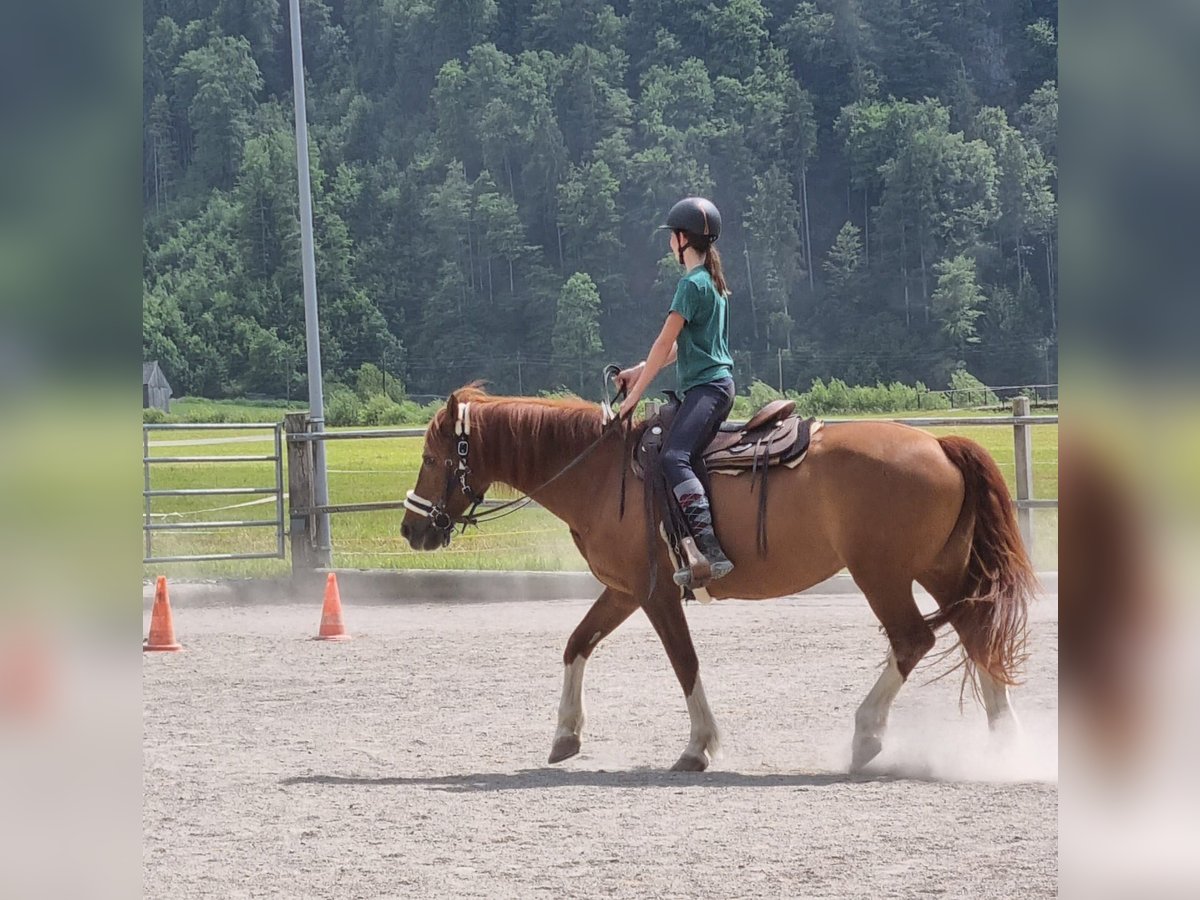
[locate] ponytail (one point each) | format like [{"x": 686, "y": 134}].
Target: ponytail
[
  {"x": 712, "y": 262},
  {"x": 703, "y": 243}
]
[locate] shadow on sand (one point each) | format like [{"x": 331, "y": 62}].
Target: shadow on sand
[{"x": 537, "y": 779}]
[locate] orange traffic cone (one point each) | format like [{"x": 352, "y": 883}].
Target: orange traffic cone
[
  {"x": 332, "y": 628},
  {"x": 162, "y": 629}
]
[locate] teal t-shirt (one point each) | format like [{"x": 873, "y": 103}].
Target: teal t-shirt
[{"x": 702, "y": 348}]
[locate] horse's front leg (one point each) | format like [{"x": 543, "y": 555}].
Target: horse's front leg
[
  {"x": 665, "y": 612},
  {"x": 610, "y": 610}
]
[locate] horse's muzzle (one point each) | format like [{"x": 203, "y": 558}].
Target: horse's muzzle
[{"x": 422, "y": 536}]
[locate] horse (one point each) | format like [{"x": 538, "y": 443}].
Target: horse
[{"x": 891, "y": 504}]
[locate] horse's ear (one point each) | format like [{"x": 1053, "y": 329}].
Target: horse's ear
[{"x": 452, "y": 409}]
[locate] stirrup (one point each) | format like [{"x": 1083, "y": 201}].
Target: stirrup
[
  {"x": 687, "y": 577},
  {"x": 696, "y": 571}
]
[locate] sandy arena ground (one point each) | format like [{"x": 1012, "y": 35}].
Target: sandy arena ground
[{"x": 410, "y": 761}]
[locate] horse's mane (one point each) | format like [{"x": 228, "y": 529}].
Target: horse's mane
[
  {"x": 529, "y": 433},
  {"x": 573, "y": 418}
]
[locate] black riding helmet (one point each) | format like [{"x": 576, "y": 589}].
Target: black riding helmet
[
  {"x": 698, "y": 218},
  {"x": 695, "y": 215}
]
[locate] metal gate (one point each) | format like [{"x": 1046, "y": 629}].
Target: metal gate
[{"x": 151, "y": 527}]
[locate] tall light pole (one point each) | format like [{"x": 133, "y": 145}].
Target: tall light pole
[{"x": 312, "y": 331}]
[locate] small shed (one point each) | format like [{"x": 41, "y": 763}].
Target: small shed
[{"x": 156, "y": 390}]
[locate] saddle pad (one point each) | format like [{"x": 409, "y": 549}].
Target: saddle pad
[
  {"x": 779, "y": 443},
  {"x": 770, "y": 445}
]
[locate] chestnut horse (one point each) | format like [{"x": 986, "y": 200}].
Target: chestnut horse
[{"x": 890, "y": 503}]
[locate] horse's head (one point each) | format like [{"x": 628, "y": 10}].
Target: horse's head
[{"x": 446, "y": 484}]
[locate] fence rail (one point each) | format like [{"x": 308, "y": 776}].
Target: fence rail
[
  {"x": 150, "y": 528},
  {"x": 948, "y": 421},
  {"x": 266, "y": 457},
  {"x": 1038, "y": 394},
  {"x": 210, "y": 492},
  {"x": 354, "y": 434}
]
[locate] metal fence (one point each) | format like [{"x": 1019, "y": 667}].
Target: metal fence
[
  {"x": 999, "y": 396},
  {"x": 150, "y": 527}
]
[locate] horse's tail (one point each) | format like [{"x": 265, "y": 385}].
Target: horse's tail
[{"x": 999, "y": 581}]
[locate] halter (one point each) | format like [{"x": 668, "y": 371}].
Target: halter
[{"x": 438, "y": 515}]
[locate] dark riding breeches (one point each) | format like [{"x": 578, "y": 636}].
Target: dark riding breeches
[{"x": 699, "y": 418}]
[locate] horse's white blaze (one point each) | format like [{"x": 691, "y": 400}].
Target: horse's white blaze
[
  {"x": 872, "y": 715},
  {"x": 995, "y": 700},
  {"x": 704, "y": 735},
  {"x": 570, "y": 707}
]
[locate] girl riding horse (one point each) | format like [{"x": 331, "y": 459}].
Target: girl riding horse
[{"x": 695, "y": 337}]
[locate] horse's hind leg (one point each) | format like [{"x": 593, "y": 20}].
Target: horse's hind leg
[
  {"x": 910, "y": 638},
  {"x": 971, "y": 625},
  {"x": 1001, "y": 716},
  {"x": 610, "y": 610},
  {"x": 870, "y": 720}
]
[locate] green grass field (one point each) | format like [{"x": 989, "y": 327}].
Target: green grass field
[{"x": 384, "y": 469}]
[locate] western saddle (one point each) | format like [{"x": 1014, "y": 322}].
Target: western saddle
[{"x": 773, "y": 436}]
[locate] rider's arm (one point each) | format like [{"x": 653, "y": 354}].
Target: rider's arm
[
  {"x": 628, "y": 377},
  {"x": 661, "y": 354}
]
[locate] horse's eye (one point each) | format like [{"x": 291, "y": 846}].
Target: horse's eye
[{"x": 427, "y": 460}]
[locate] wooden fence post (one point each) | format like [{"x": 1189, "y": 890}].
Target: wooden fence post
[
  {"x": 302, "y": 528},
  {"x": 1023, "y": 456}
]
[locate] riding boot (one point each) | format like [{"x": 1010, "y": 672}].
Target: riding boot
[{"x": 696, "y": 510}]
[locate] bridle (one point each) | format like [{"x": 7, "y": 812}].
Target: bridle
[
  {"x": 437, "y": 513},
  {"x": 439, "y": 516}
]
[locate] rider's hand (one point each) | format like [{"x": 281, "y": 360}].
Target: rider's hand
[
  {"x": 629, "y": 405},
  {"x": 627, "y": 378}
]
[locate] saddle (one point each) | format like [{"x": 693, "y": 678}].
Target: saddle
[{"x": 773, "y": 436}]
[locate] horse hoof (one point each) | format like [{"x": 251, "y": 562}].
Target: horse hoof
[
  {"x": 690, "y": 763},
  {"x": 865, "y": 750},
  {"x": 564, "y": 748},
  {"x": 1005, "y": 725}
]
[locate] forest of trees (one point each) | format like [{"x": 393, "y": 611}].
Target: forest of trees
[{"x": 487, "y": 175}]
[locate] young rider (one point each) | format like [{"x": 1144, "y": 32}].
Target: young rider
[{"x": 694, "y": 337}]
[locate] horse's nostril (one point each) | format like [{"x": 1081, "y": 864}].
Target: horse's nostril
[{"x": 404, "y": 530}]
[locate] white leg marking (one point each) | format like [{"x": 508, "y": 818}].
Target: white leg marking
[
  {"x": 705, "y": 736},
  {"x": 871, "y": 718},
  {"x": 570, "y": 707},
  {"x": 996, "y": 701}
]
